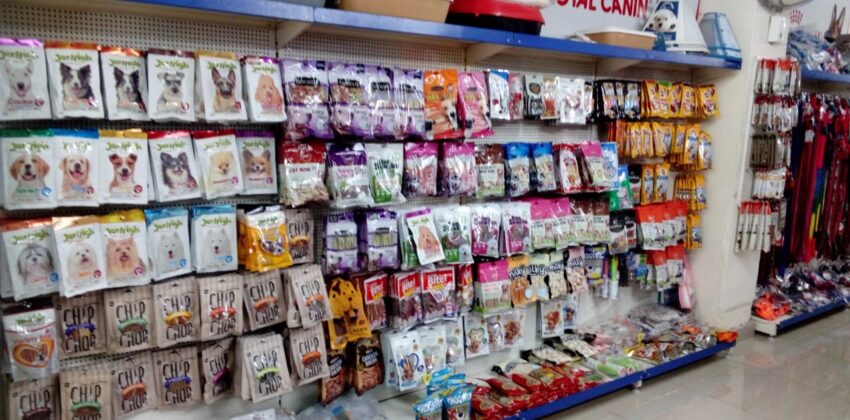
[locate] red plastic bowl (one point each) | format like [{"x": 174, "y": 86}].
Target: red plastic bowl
[{"x": 497, "y": 8}]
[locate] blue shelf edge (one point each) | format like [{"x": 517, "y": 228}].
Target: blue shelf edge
[
  {"x": 824, "y": 76},
  {"x": 619, "y": 383},
  {"x": 805, "y": 316}
]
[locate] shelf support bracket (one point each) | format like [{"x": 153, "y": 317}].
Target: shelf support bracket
[
  {"x": 289, "y": 30},
  {"x": 482, "y": 51},
  {"x": 609, "y": 66}
]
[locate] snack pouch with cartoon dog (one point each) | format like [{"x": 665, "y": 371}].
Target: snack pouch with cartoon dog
[
  {"x": 348, "y": 322},
  {"x": 350, "y": 116},
  {"x": 263, "y": 86},
  {"x": 477, "y": 336},
  {"x": 175, "y": 312},
  {"x": 407, "y": 355},
  {"x": 36, "y": 399},
  {"x": 175, "y": 170},
  {"x": 30, "y": 340},
  {"x": 23, "y": 84},
  {"x": 214, "y": 236},
  {"x": 218, "y": 91},
  {"x": 125, "y": 154},
  {"x": 306, "y": 86},
  {"x": 348, "y": 176},
  {"x": 129, "y": 318},
  {"x": 134, "y": 387},
  {"x": 31, "y": 258},
  {"x": 76, "y": 157},
  {"x": 77, "y": 241},
  {"x": 177, "y": 377},
  {"x": 168, "y": 242},
  {"x": 85, "y": 393},
  {"x": 424, "y": 234},
  {"x": 171, "y": 85},
  {"x": 263, "y": 294},
  {"x": 82, "y": 327},
  {"x": 221, "y": 171},
  {"x": 258, "y": 161},
  {"x": 125, "y": 87},
  {"x": 30, "y": 177},
  {"x": 309, "y": 356},
  {"x": 221, "y": 306},
  {"x": 217, "y": 365},
  {"x": 126, "y": 248},
  {"x": 74, "y": 71},
  {"x": 441, "y": 115}
]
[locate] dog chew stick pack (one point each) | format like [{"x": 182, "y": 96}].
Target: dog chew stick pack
[
  {"x": 171, "y": 85},
  {"x": 74, "y": 71},
  {"x": 125, "y": 237},
  {"x": 218, "y": 91},
  {"x": 125, "y": 167},
  {"x": 75, "y": 154},
  {"x": 262, "y": 89},
  {"x": 23, "y": 86},
  {"x": 125, "y": 87},
  {"x": 221, "y": 172},
  {"x": 168, "y": 242},
  {"x": 214, "y": 237}
]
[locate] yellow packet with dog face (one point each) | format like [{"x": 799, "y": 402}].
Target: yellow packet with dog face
[{"x": 269, "y": 247}]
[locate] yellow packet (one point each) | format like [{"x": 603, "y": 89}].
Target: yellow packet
[
  {"x": 676, "y": 100},
  {"x": 647, "y": 148},
  {"x": 694, "y": 225},
  {"x": 662, "y": 182},
  {"x": 664, "y": 99},
  {"x": 658, "y": 139},
  {"x": 242, "y": 239},
  {"x": 270, "y": 248},
  {"x": 677, "y": 148},
  {"x": 653, "y": 106},
  {"x": 699, "y": 192},
  {"x": 521, "y": 291},
  {"x": 636, "y": 139},
  {"x": 704, "y": 152},
  {"x": 647, "y": 184},
  {"x": 707, "y": 101},
  {"x": 689, "y": 154},
  {"x": 689, "y": 103}
]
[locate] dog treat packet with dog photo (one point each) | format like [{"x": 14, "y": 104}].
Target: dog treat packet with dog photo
[
  {"x": 348, "y": 323},
  {"x": 74, "y": 71},
  {"x": 516, "y": 228},
  {"x": 127, "y": 180},
  {"x": 217, "y": 367},
  {"x": 82, "y": 326},
  {"x": 474, "y": 105},
  {"x": 309, "y": 356},
  {"x": 424, "y": 234},
  {"x": 386, "y": 169},
  {"x": 299, "y": 232},
  {"x": 171, "y": 85},
  {"x": 221, "y": 306},
  {"x": 420, "y": 169},
  {"x": 302, "y": 173},
  {"x": 31, "y": 258},
  {"x": 125, "y": 236},
  {"x": 134, "y": 387},
  {"x": 518, "y": 168},
  {"x": 84, "y": 393},
  {"x": 263, "y": 294},
  {"x": 486, "y": 220},
  {"x": 173, "y": 165},
  {"x": 490, "y": 170},
  {"x": 377, "y": 239},
  {"x": 175, "y": 312},
  {"x": 454, "y": 227},
  {"x": 214, "y": 236},
  {"x": 28, "y": 156},
  {"x": 457, "y": 169},
  {"x": 23, "y": 83},
  {"x": 168, "y": 242},
  {"x": 76, "y": 154},
  {"x": 259, "y": 165},
  {"x": 381, "y": 98},
  {"x": 177, "y": 377},
  {"x": 441, "y": 116},
  {"x": 263, "y": 86},
  {"x": 218, "y": 87},
  {"x": 493, "y": 288},
  {"x": 311, "y": 296},
  {"x": 129, "y": 319},
  {"x": 348, "y": 176},
  {"x": 307, "y": 98},
  {"x": 221, "y": 171},
  {"x": 340, "y": 254},
  {"x": 36, "y": 399},
  {"x": 350, "y": 114},
  {"x": 125, "y": 83},
  {"x": 30, "y": 341},
  {"x": 77, "y": 241}
]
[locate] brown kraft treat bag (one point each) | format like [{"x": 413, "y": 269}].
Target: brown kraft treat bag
[
  {"x": 299, "y": 230},
  {"x": 133, "y": 387},
  {"x": 84, "y": 393},
  {"x": 221, "y": 306},
  {"x": 82, "y": 329},
  {"x": 217, "y": 366},
  {"x": 176, "y": 313},
  {"x": 264, "y": 299},
  {"x": 309, "y": 355},
  {"x": 129, "y": 317},
  {"x": 36, "y": 399},
  {"x": 177, "y": 377},
  {"x": 265, "y": 368}
]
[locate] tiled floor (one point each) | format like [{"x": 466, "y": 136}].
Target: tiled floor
[{"x": 803, "y": 374}]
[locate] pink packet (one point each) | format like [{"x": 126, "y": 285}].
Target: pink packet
[
  {"x": 457, "y": 169},
  {"x": 593, "y": 165},
  {"x": 542, "y": 224},
  {"x": 420, "y": 169},
  {"x": 474, "y": 105},
  {"x": 516, "y": 87},
  {"x": 493, "y": 288},
  {"x": 516, "y": 229}
]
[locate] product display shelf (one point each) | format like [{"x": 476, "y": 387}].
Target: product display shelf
[
  {"x": 776, "y": 326},
  {"x": 825, "y": 76}
]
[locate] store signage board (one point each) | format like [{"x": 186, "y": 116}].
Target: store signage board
[{"x": 566, "y": 17}]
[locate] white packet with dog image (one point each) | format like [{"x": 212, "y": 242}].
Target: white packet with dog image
[
  {"x": 168, "y": 242},
  {"x": 23, "y": 80},
  {"x": 221, "y": 172},
  {"x": 171, "y": 85},
  {"x": 76, "y": 152},
  {"x": 31, "y": 261},
  {"x": 263, "y": 89},
  {"x": 259, "y": 166},
  {"x": 173, "y": 166},
  {"x": 125, "y": 167},
  {"x": 214, "y": 237},
  {"x": 29, "y": 180},
  {"x": 218, "y": 87},
  {"x": 125, "y": 84},
  {"x": 77, "y": 243},
  {"x": 74, "y": 71},
  {"x": 126, "y": 248}
]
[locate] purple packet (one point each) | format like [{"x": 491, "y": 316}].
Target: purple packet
[
  {"x": 458, "y": 169},
  {"x": 378, "y": 239},
  {"x": 340, "y": 251},
  {"x": 486, "y": 219},
  {"x": 348, "y": 176},
  {"x": 306, "y": 86},
  {"x": 350, "y": 115},
  {"x": 382, "y": 112},
  {"x": 410, "y": 101},
  {"x": 420, "y": 169}
]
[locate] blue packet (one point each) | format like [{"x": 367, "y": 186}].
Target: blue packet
[
  {"x": 458, "y": 404},
  {"x": 429, "y": 408},
  {"x": 214, "y": 236},
  {"x": 543, "y": 167},
  {"x": 518, "y": 168},
  {"x": 610, "y": 165},
  {"x": 168, "y": 242}
]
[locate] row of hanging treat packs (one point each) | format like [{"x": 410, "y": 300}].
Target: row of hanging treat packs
[{"x": 685, "y": 145}]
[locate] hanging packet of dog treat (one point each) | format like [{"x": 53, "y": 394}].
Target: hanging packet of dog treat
[
  {"x": 30, "y": 342},
  {"x": 499, "y": 94},
  {"x": 516, "y": 90},
  {"x": 175, "y": 312},
  {"x": 441, "y": 116},
  {"x": 214, "y": 236},
  {"x": 474, "y": 105},
  {"x": 368, "y": 371},
  {"x": 307, "y": 98},
  {"x": 134, "y": 387},
  {"x": 217, "y": 367},
  {"x": 420, "y": 169},
  {"x": 464, "y": 291},
  {"x": 76, "y": 154},
  {"x": 28, "y": 156},
  {"x": 386, "y": 170},
  {"x": 218, "y": 87},
  {"x": 177, "y": 377},
  {"x": 340, "y": 254},
  {"x": 405, "y": 299},
  {"x": 610, "y": 162},
  {"x": 262, "y": 92},
  {"x": 221, "y": 306},
  {"x": 263, "y": 294},
  {"x": 568, "y": 174},
  {"x": 377, "y": 239},
  {"x": 221, "y": 170},
  {"x": 521, "y": 291},
  {"x": 380, "y": 96},
  {"x": 490, "y": 170},
  {"x": 424, "y": 234},
  {"x": 348, "y": 176},
  {"x": 34, "y": 399},
  {"x": 31, "y": 258},
  {"x": 516, "y": 228},
  {"x": 454, "y": 342},
  {"x": 433, "y": 341},
  {"x": 542, "y": 224},
  {"x": 551, "y": 98},
  {"x": 373, "y": 289},
  {"x": 476, "y": 336},
  {"x": 555, "y": 278},
  {"x": 125, "y": 87},
  {"x": 299, "y": 234},
  {"x": 337, "y": 382},
  {"x": 454, "y": 227},
  {"x": 175, "y": 170},
  {"x": 311, "y": 295},
  {"x": 293, "y": 314},
  {"x": 77, "y": 241},
  {"x": 457, "y": 169},
  {"x": 350, "y": 114},
  {"x": 168, "y": 242},
  {"x": 518, "y": 169},
  {"x": 410, "y": 104},
  {"x": 309, "y": 356},
  {"x": 409, "y": 258},
  {"x": 302, "y": 173},
  {"x": 492, "y": 291},
  {"x": 74, "y": 71},
  {"x": 438, "y": 292},
  {"x": 258, "y": 162},
  {"x": 126, "y": 247},
  {"x": 265, "y": 367},
  {"x": 534, "y": 106},
  {"x": 129, "y": 319},
  {"x": 407, "y": 354},
  {"x": 84, "y": 393},
  {"x": 125, "y": 154},
  {"x": 171, "y": 85},
  {"x": 23, "y": 85},
  {"x": 486, "y": 220},
  {"x": 543, "y": 167}
]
